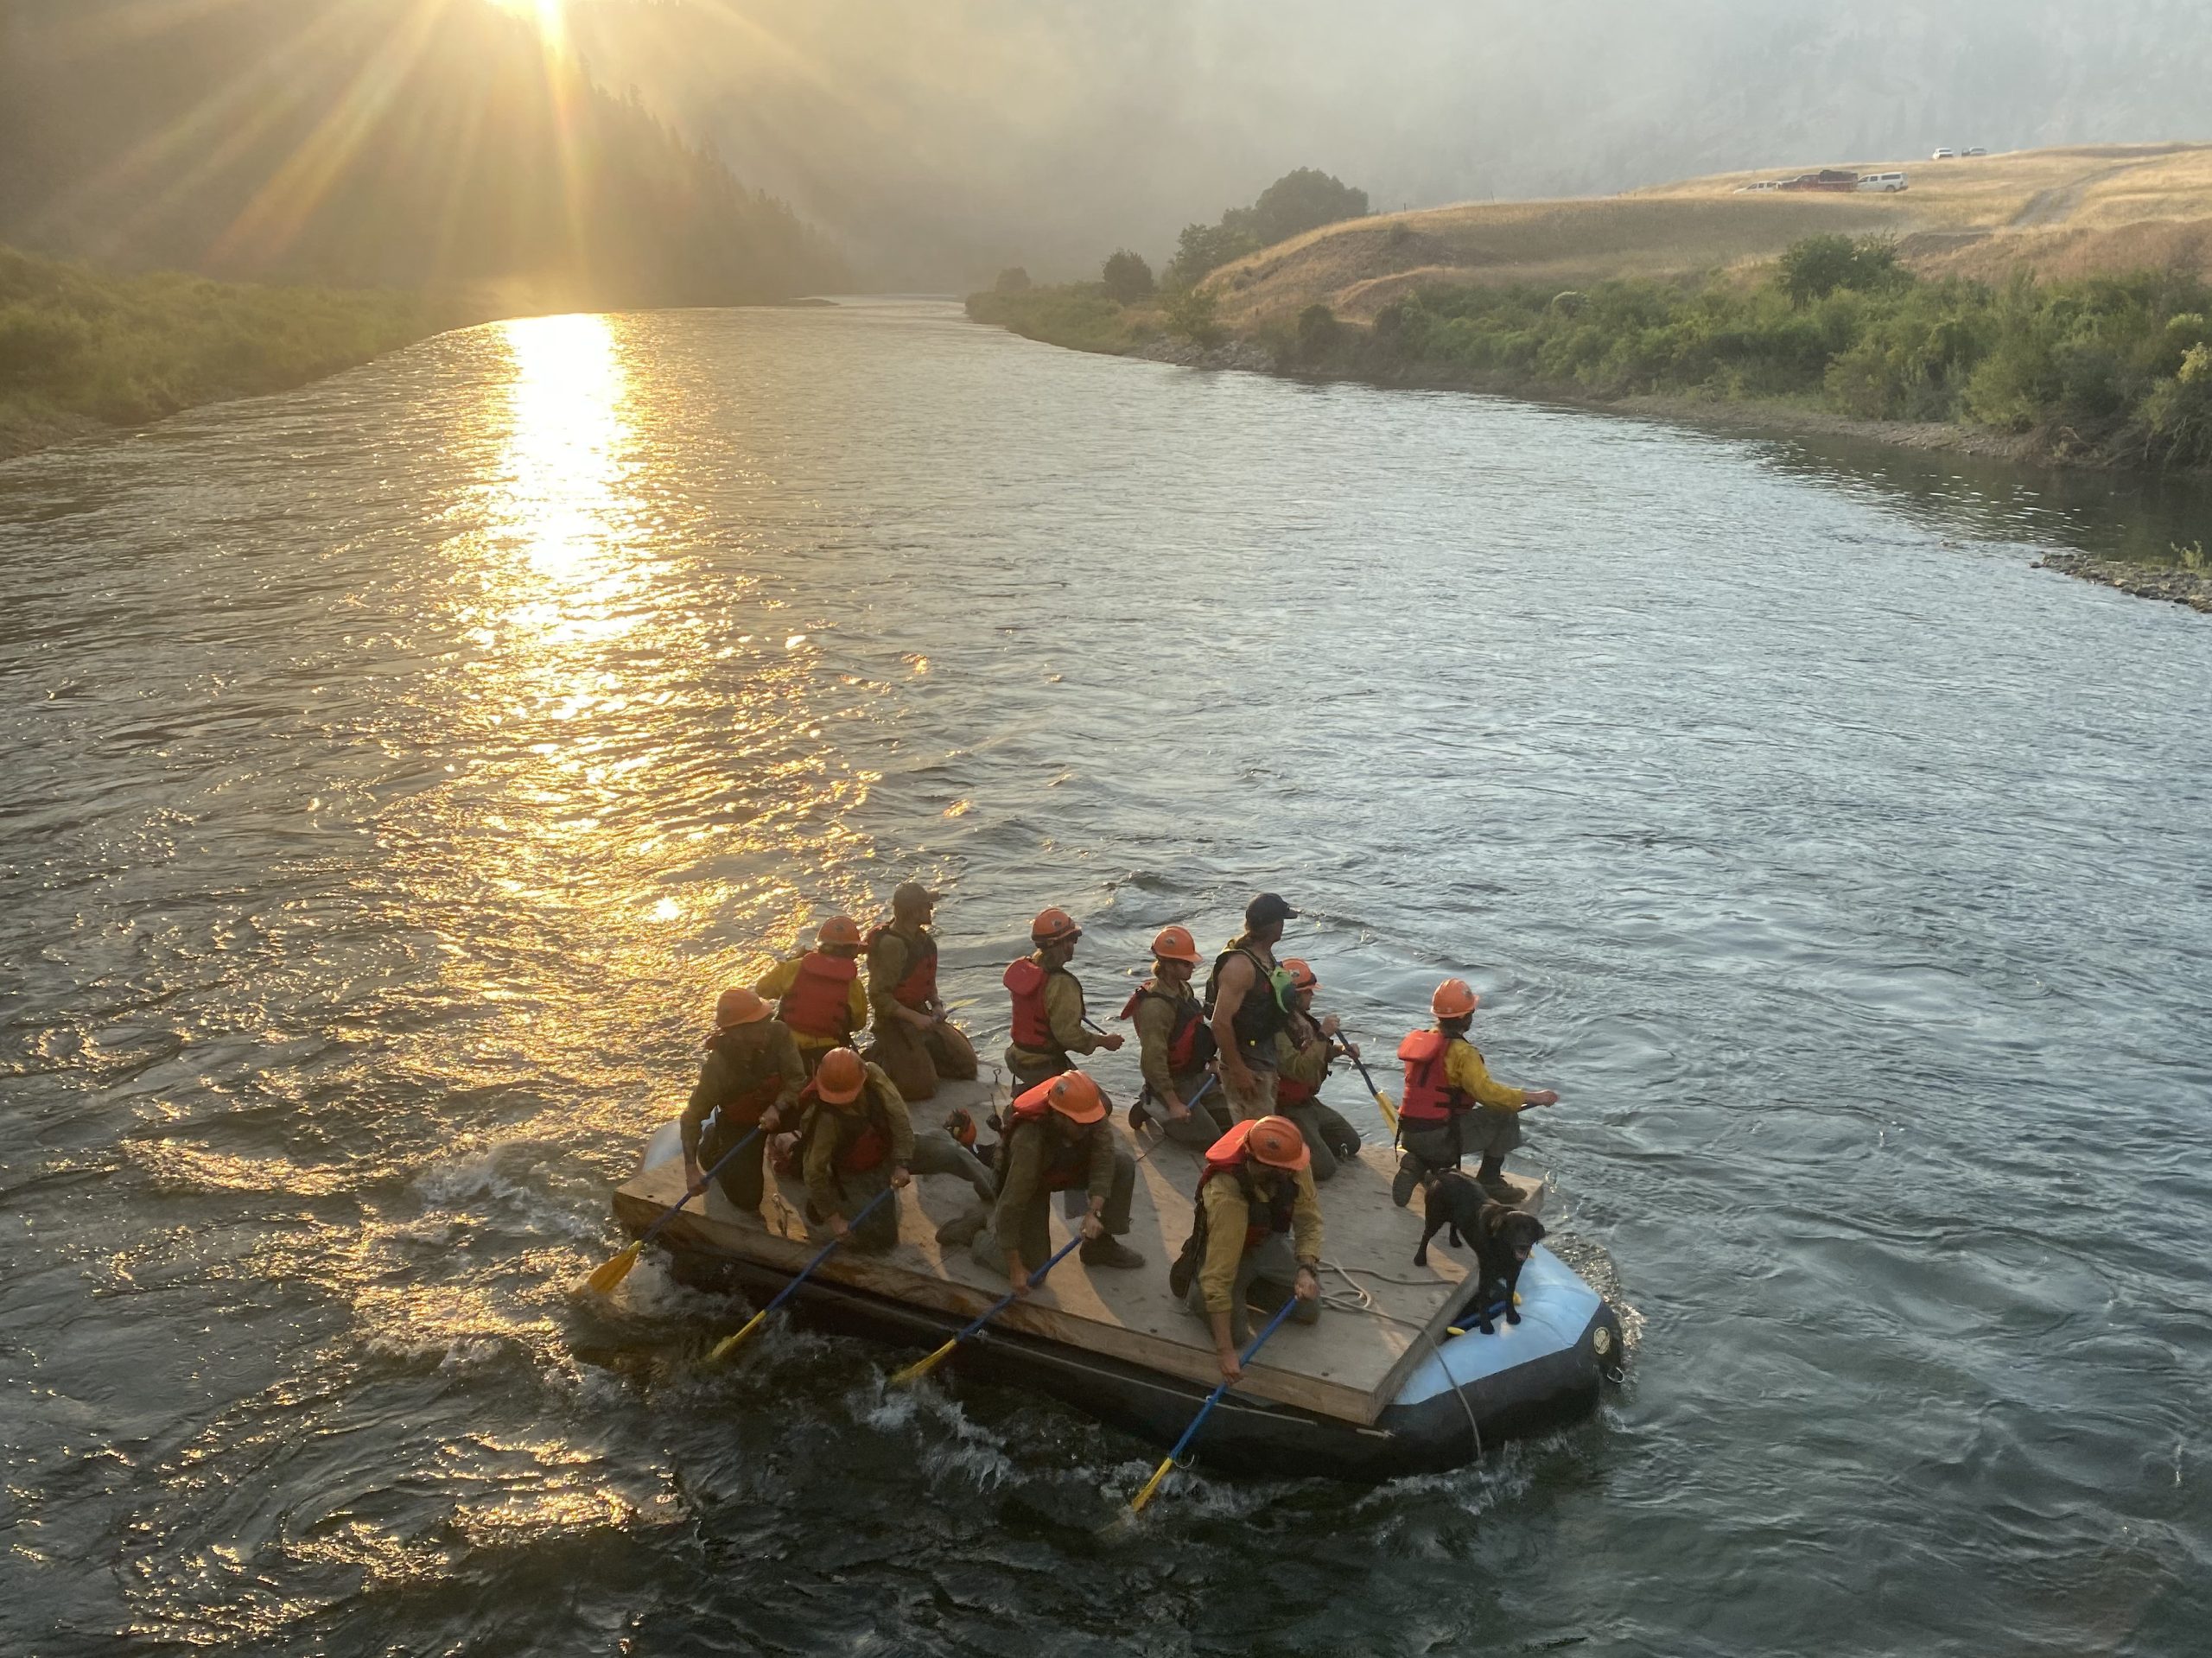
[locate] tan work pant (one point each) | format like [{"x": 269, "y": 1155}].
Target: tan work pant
[{"x": 915, "y": 1059}]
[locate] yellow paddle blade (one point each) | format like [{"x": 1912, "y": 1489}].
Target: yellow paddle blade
[
  {"x": 1390, "y": 1111},
  {"x": 611, "y": 1273},
  {"x": 921, "y": 1367},
  {"x": 1145, "y": 1491},
  {"x": 729, "y": 1344}
]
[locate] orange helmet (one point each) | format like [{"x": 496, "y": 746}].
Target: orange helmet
[
  {"x": 1302, "y": 976},
  {"x": 1454, "y": 999},
  {"x": 1074, "y": 1095},
  {"x": 1276, "y": 1142},
  {"x": 738, "y": 1006},
  {"x": 1175, "y": 944},
  {"x": 838, "y": 929},
  {"x": 1053, "y": 927},
  {"x": 839, "y": 1077}
]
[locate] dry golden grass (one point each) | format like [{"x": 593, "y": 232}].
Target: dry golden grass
[{"x": 2057, "y": 209}]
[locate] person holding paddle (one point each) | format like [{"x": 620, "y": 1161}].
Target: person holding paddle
[
  {"x": 1302, "y": 1056},
  {"x": 855, "y": 1140},
  {"x": 1057, "y": 1139},
  {"x": 1175, "y": 1047},
  {"x": 1256, "y": 1239},
  {"x": 749, "y": 1079}
]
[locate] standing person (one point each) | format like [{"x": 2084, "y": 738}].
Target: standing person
[
  {"x": 1257, "y": 1237},
  {"x": 1048, "y": 1007},
  {"x": 750, "y": 1078},
  {"x": 1302, "y": 1056},
  {"x": 818, "y": 995},
  {"x": 855, "y": 1140},
  {"x": 1175, "y": 1045},
  {"x": 1452, "y": 1105},
  {"x": 1248, "y": 1001},
  {"x": 1057, "y": 1139},
  {"x": 915, "y": 1044}
]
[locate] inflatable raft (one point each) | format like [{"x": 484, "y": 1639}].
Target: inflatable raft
[{"x": 1392, "y": 1379}]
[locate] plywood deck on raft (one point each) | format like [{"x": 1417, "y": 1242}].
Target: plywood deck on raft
[{"x": 1349, "y": 1365}]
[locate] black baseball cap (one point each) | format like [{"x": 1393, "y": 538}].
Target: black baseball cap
[{"x": 1267, "y": 909}]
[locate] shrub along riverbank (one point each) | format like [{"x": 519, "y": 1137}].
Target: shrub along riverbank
[
  {"x": 81, "y": 349},
  {"x": 2107, "y": 371}
]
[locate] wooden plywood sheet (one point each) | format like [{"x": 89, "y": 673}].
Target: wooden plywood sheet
[{"x": 1348, "y": 1365}]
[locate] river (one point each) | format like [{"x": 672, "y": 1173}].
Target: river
[{"x": 396, "y": 768}]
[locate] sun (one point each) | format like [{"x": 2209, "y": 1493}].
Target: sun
[{"x": 547, "y": 13}]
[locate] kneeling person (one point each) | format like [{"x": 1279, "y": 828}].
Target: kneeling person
[
  {"x": 818, "y": 995},
  {"x": 1257, "y": 1237},
  {"x": 749, "y": 1080},
  {"x": 1302, "y": 1057},
  {"x": 855, "y": 1140},
  {"x": 1058, "y": 1139}
]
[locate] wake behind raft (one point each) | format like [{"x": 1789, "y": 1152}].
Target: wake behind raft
[{"x": 1392, "y": 1379}]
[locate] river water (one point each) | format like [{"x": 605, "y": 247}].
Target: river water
[{"x": 396, "y": 768}]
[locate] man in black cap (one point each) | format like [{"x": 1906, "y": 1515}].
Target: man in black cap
[{"x": 1251, "y": 999}]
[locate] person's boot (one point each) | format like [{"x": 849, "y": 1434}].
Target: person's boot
[
  {"x": 1108, "y": 1252},
  {"x": 1138, "y": 1116},
  {"x": 1490, "y": 1177},
  {"x": 960, "y": 1231},
  {"x": 1408, "y": 1176}
]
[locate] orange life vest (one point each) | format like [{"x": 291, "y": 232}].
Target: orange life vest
[
  {"x": 1024, "y": 981},
  {"x": 1429, "y": 1099},
  {"x": 866, "y": 1149},
  {"x": 819, "y": 1002},
  {"x": 1068, "y": 1166},
  {"x": 1228, "y": 1156},
  {"x": 919, "y": 988}
]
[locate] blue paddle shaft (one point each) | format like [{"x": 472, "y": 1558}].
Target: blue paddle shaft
[
  {"x": 676, "y": 1208},
  {"x": 1214, "y": 1398},
  {"x": 1004, "y": 1301},
  {"x": 822, "y": 1254}
]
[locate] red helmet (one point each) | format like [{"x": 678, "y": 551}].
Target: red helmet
[
  {"x": 1454, "y": 999},
  {"x": 1276, "y": 1142},
  {"x": 839, "y": 1077},
  {"x": 1074, "y": 1095},
  {"x": 1175, "y": 944},
  {"x": 838, "y": 929},
  {"x": 738, "y": 1006},
  {"x": 1053, "y": 926}
]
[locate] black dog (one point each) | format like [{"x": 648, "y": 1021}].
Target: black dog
[{"x": 1500, "y": 1235}]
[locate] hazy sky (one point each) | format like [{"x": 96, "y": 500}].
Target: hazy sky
[{"x": 943, "y": 138}]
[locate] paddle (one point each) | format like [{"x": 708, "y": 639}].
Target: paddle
[
  {"x": 1390, "y": 1111},
  {"x": 1144, "y": 1493},
  {"x": 610, "y": 1273},
  {"x": 729, "y": 1344},
  {"x": 921, "y": 1367}
]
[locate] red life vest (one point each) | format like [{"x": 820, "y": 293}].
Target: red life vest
[
  {"x": 819, "y": 1002},
  {"x": 1033, "y": 1027},
  {"x": 1428, "y": 1097},
  {"x": 1185, "y": 1050},
  {"x": 1288, "y": 1093},
  {"x": 1068, "y": 1166},
  {"x": 1228, "y": 1156},
  {"x": 865, "y": 1150},
  {"x": 919, "y": 988},
  {"x": 749, "y": 1103}
]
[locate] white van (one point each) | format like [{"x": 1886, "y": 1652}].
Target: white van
[
  {"x": 1946, "y": 155},
  {"x": 1883, "y": 181}
]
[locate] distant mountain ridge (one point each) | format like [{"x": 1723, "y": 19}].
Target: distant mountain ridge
[{"x": 431, "y": 144}]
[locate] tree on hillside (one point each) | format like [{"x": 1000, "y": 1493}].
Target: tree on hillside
[
  {"x": 1304, "y": 200},
  {"x": 1127, "y": 277},
  {"x": 1817, "y": 266},
  {"x": 1204, "y": 248},
  {"x": 1014, "y": 279}
]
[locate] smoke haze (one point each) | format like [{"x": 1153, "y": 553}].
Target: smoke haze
[{"x": 940, "y": 141}]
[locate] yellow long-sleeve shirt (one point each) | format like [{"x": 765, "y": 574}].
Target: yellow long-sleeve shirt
[
  {"x": 1465, "y": 1070},
  {"x": 1228, "y": 1216},
  {"x": 776, "y": 984}
]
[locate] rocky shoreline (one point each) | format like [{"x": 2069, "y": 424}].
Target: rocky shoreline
[{"x": 2176, "y": 586}]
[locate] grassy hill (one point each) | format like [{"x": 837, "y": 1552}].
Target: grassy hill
[{"x": 2066, "y": 213}]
